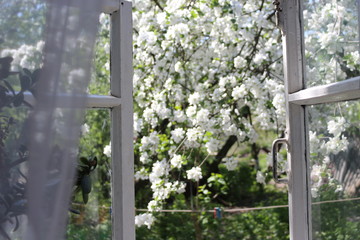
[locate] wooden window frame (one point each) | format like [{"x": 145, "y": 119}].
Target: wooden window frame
[
  {"x": 297, "y": 98},
  {"x": 120, "y": 103}
]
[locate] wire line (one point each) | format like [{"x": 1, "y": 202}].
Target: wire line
[{"x": 233, "y": 210}]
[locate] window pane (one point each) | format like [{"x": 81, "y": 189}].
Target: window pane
[
  {"x": 334, "y": 137},
  {"x": 92, "y": 220},
  {"x": 100, "y": 79},
  {"x": 331, "y": 32}
]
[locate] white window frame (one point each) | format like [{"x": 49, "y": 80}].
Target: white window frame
[
  {"x": 120, "y": 102},
  {"x": 121, "y": 60},
  {"x": 297, "y": 98}
]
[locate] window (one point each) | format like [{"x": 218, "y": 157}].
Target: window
[
  {"x": 120, "y": 103},
  {"x": 306, "y": 105}
]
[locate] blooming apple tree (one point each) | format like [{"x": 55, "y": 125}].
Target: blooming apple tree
[{"x": 207, "y": 76}]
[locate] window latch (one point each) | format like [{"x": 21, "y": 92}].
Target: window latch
[
  {"x": 274, "y": 150},
  {"x": 278, "y": 14}
]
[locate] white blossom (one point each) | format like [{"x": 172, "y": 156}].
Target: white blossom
[
  {"x": 230, "y": 163},
  {"x": 107, "y": 150},
  {"x": 176, "y": 161},
  {"x": 141, "y": 174},
  {"x": 239, "y": 92},
  {"x": 336, "y": 126},
  {"x": 194, "y": 174},
  {"x": 194, "y": 98},
  {"x": 177, "y": 134},
  {"x": 239, "y": 62},
  {"x": 336, "y": 144},
  {"x": 179, "y": 187},
  {"x": 153, "y": 205},
  {"x": 260, "y": 178},
  {"x": 191, "y": 111},
  {"x": 144, "y": 219},
  {"x": 159, "y": 169},
  {"x": 213, "y": 145},
  {"x": 202, "y": 116},
  {"x": 144, "y": 157},
  {"x": 85, "y": 129},
  {"x": 150, "y": 142},
  {"x": 179, "y": 116}
]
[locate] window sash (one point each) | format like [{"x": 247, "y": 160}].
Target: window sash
[
  {"x": 120, "y": 102},
  {"x": 123, "y": 187},
  {"x": 293, "y": 51},
  {"x": 297, "y": 97},
  {"x": 334, "y": 92}
]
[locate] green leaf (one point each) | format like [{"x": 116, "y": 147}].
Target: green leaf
[
  {"x": 36, "y": 75},
  {"x": 5, "y": 64},
  {"x": 84, "y": 160},
  {"x": 244, "y": 111},
  {"x": 93, "y": 163},
  {"x": 86, "y": 184},
  {"x": 3, "y": 91},
  {"x": 85, "y": 197},
  {"x": 194, "y": 14},
  {"x": 25, "y": 82},
  {"x": 8, "y": 85},
  {"x": 269, "y": 104},
  {"x": 27, "y": 72},
  {"x": 18, "y": 99}
]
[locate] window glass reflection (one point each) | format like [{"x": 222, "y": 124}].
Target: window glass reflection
[
  {"x": 331, "y": 35},
  {"x": 334, "y": 138}
]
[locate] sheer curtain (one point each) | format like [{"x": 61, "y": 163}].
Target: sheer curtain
[{"x": 46, "y": 55}]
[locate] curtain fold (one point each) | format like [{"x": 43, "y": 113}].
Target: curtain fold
[{"x": 38, "y": 151}]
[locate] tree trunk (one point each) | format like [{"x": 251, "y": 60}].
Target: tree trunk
[{"x": 196, "y": 221}]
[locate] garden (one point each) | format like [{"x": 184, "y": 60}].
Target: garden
[{"x": 209, "y": 98}]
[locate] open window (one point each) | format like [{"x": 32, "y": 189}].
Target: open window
[
  {"x": 121, "y": 106},
  {"x": 322, "y": 78},
  {"x": 46, "y": 53}
]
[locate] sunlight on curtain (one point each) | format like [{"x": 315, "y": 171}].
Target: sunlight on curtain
[{"x": 46, "y": 49}]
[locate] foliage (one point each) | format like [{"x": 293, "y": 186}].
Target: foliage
[
  {"x": 94, "y": 220},
  {"x": 255, "y": 225},
  {"x": 208, "y": 96},
  {"x": 335, "y": 220},
  {"x": 22, "y": 22},
  {"x": 85, "y": 230},
  {"x": 12, "y": 180},
  {"x": 204, "y": 82},
  {"x": 14, "y": 153},
  {"x": 83, "y": 181},
  {"x": 263, "y": 224}
]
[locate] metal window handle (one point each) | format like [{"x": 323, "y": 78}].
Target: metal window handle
[{"x": 274, "y": 159}]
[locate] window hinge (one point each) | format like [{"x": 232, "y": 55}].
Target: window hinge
[
  {"x": 274, "y": 150},
  {"x": 279, "y": 19}
]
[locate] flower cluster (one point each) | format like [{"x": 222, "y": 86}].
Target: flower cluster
[
  {"x": 144, "y": 219},
  {"x": 331, "y": 47},
  {"x": 326, "y": 140},
  {"x": 205, "y": 71},
  {"x": 26, "y": 56}
]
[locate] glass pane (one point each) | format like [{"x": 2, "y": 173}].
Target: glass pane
[
  {"x": 90, "y": 214},
  {"x": 334, "y": 137},
  {"x": 331, "y": 34},
  {"x": 100, "y": 77}
]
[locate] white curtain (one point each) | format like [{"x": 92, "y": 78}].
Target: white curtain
[{"x": 46, "y": 54}]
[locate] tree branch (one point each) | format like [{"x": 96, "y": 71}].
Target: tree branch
[{"x": 158, "y": 4}]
